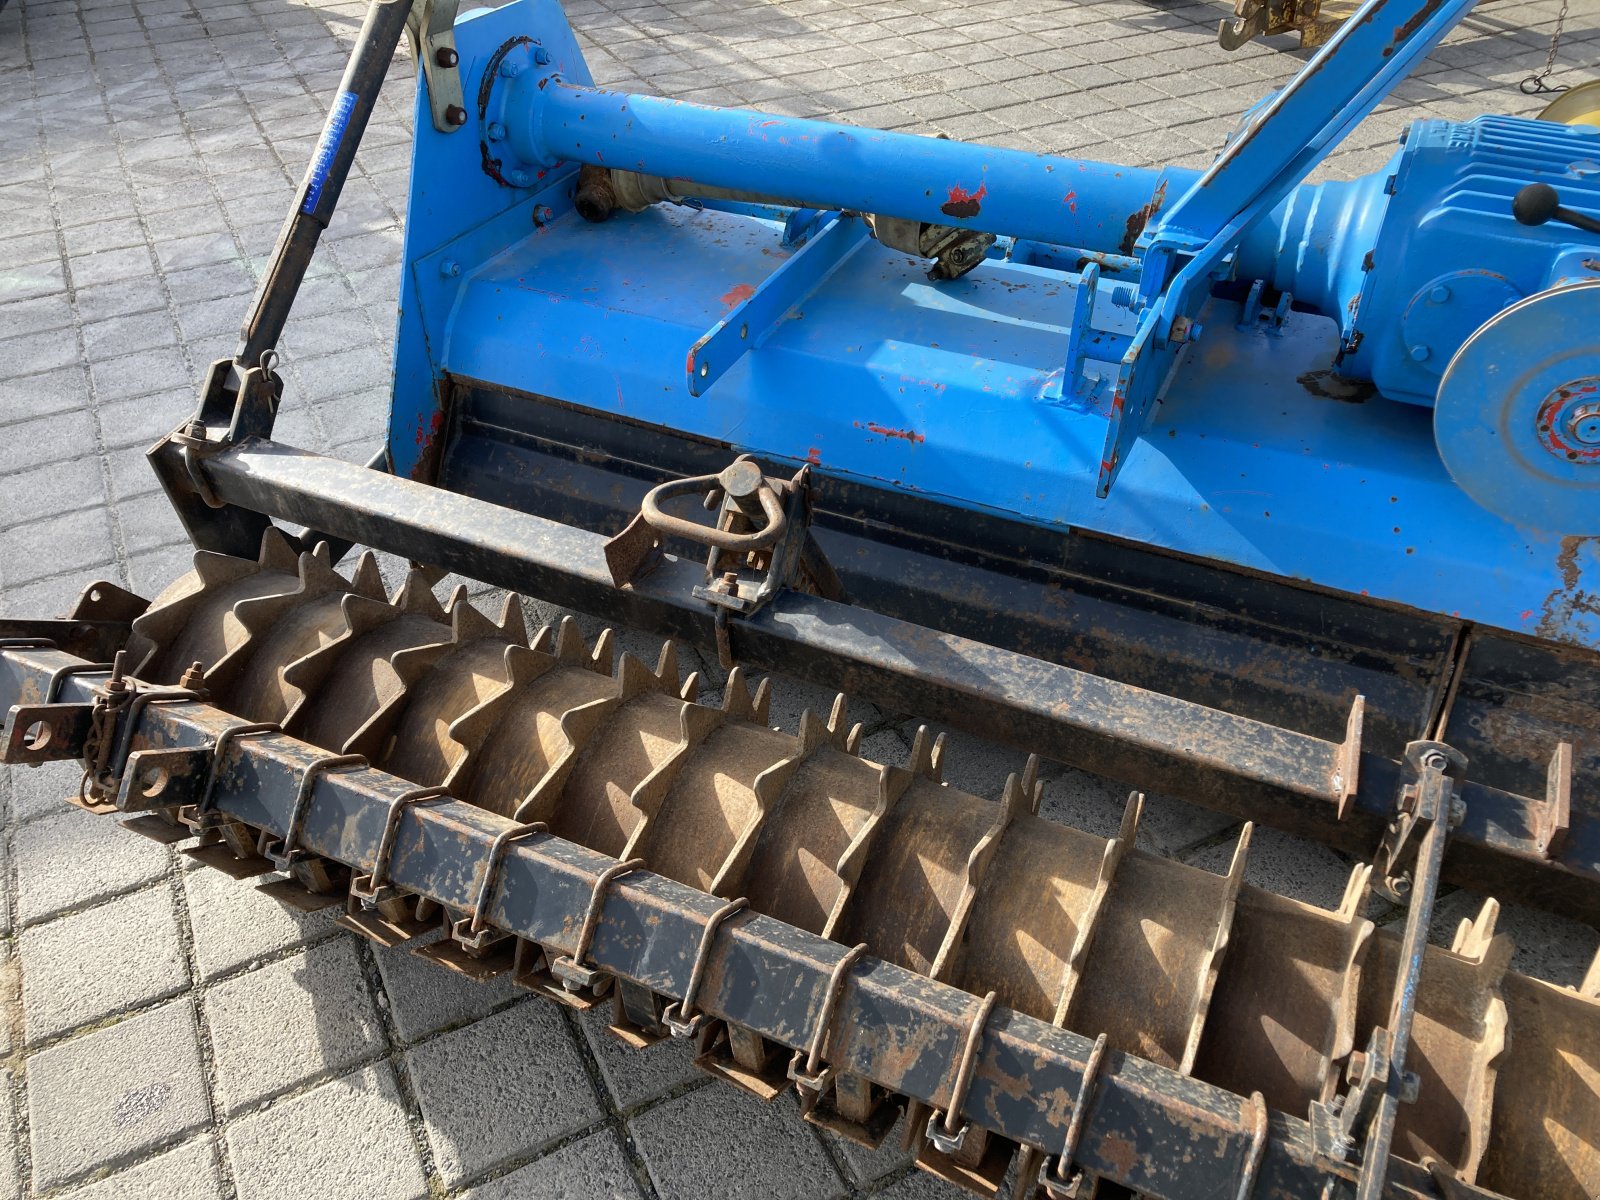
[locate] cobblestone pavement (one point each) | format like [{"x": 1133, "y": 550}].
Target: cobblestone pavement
[{"x": 170, "y": 1033}]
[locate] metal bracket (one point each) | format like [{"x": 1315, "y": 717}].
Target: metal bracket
[
  {"x": 946, "y": 1136},
  {"x": 813, "y": 1076},
  {"x": 285, "y": 852},
  {"x": 1428, "y": 796},
  {"x": 373, "y": 889},
  {"x": 748, "y": 563},
  {"x": 474, "y": 933},
  {"x": 679, "y": 1016},
  {"x": 431, "y": 28},
  {"x": 571, "y": 969},
  {"x": 1059, "y": 1180}
]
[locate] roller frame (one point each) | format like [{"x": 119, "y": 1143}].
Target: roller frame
[{"x": 1149, "y": 1128}]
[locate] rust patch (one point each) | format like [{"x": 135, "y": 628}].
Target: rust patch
[
  {"x": 910, "y": 435},
  {"x": 1120, "y": 1152},
  {"x": 1330, "y": 385},
  {"x": 964, "y": 205},
  {"x": 1405, "y": 31},
  {"x": 814, "y": 456},
  {"x": 737, "y": 294},
  {"x": 1569, "y": 601},
  {"x": 1140, "y": 218}
]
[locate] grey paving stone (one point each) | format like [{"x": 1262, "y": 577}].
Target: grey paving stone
[
  {"x": 45, "y": 440},
  {"x": 347, "y": 1138},
  {"x": 290, "y": 1021},
  {"x": 119, "y": 955},
  {"x": 592, "y": 1168},
  {"x": 157, "y": 369},
  {"x": 500, "y": 1089},
  {"x": 43, "y": 546},
  {"x": 37, "y": 494},
  {"x": 635, "y": 1077},
  {"x": 107, "y": 1095},
  {"x": 188, "y": 1172},
  {"x": 71, "y": 859},
  {"x": 11, "y": 1187},
  {"x": 235, "y": 924},
  {"x": 425, "y": 998},
  {"x": 36, "y": 353},
  {"x": 34, "y": 316},
  {"x": 721, "y": 1142}
]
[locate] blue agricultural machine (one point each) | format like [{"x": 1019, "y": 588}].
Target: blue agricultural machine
[{"x": 1279, "y": 497}]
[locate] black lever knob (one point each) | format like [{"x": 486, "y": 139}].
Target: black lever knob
[{"x": 1539, "y": 202}]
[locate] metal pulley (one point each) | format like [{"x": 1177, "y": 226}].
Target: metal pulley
[{"x": 1517, "y": 420}]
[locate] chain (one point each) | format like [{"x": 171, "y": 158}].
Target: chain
[{"x": 1535, "y": 85}]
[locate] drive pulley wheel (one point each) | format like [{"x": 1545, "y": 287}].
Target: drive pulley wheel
[{"x": 1517, "y": 420}]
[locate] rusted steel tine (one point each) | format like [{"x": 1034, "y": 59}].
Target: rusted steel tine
[
  {"x": 949, "y": 1139},
  {"x": 571, "y": 969},
  {"x": 1258, "y": 1146},
  {"x": 1080, "y": 1111},
  {"x": 287, "y": 850},
  {"x": 478, "y": 923},
  {"x": 679, "y": 1016},
  {"x": 811, "y": 1075}
]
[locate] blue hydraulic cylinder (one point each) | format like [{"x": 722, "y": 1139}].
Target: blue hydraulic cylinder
[{"x": 1040, "y": 197}]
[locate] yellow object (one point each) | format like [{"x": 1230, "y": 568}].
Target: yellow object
[{"x": 1576, "y": 106}]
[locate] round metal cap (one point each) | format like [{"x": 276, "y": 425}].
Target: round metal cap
[{"x": 1517, "y": 420}]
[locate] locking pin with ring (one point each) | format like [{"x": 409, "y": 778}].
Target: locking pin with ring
[
  {"x": 813, "y": 1076},
  {"x": 942, "y": 1130}
]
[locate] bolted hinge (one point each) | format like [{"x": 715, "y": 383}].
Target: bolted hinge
[{"x": 431, "y": 27}]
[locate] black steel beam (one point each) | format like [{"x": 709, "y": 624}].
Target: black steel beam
[
  {"x": 1149, "y": 1128},
  {"x": 1225, "y": 762}
]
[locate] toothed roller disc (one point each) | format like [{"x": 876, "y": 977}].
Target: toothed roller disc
[{"x": 1517, "y": 420}]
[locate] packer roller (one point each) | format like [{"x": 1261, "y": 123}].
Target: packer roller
[{"x": 1278, "y": 497}]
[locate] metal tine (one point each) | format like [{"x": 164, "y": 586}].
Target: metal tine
[
  {"x": 1546, "y": 1124},
  {"x": 315, "y": 616},
  {"x": 651, "y": 736},
  {"x": 410, "y": 736},
  {"x": 946, "y": 1146},
  {"x": 1115, "y": 850},
  {"x": 1219, "y": 947},
  {"x": 696, "y": 725},
  {"x": 472, "y": 729},
  {"x": 256, "y": 616},
  {"x": 303, "y": 678},
  {"x": 750, "y": 1062},
  {"x": 1285, "y": 1006},
  {"x": 1456, "y": 1040},
  {"x": 184, "y": 623}
]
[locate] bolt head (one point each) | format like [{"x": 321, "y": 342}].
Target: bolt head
[
  {"x": 449, "y": 268},
  {"x": 497, "y": 131},
  {"x": 541, "y": 56},
  {"x": 518, "y": 178},
  {"x": 1421, "y": 353},
  {"x": 1439, "y": 294},
  {"x": 456, "y": 115},
  {"x": 446, "y": 56},
  {"x": 510, "y": 68}
]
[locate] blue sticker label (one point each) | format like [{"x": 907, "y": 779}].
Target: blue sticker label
[{"x": 322, "y": 161}]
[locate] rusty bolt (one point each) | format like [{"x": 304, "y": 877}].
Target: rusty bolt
[
  {"x": 446, "y": 56},
  {"x": 729, "y": 582},
  {"x": 456, "y": 115},
  {"x": 193, "y": 676}
]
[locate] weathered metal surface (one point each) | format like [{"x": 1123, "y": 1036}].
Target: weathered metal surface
[
  {"x": 1147, "y": 1127},
  {"x": 1159, "y": 960},
  {"x": 1158, "y": 742}
]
